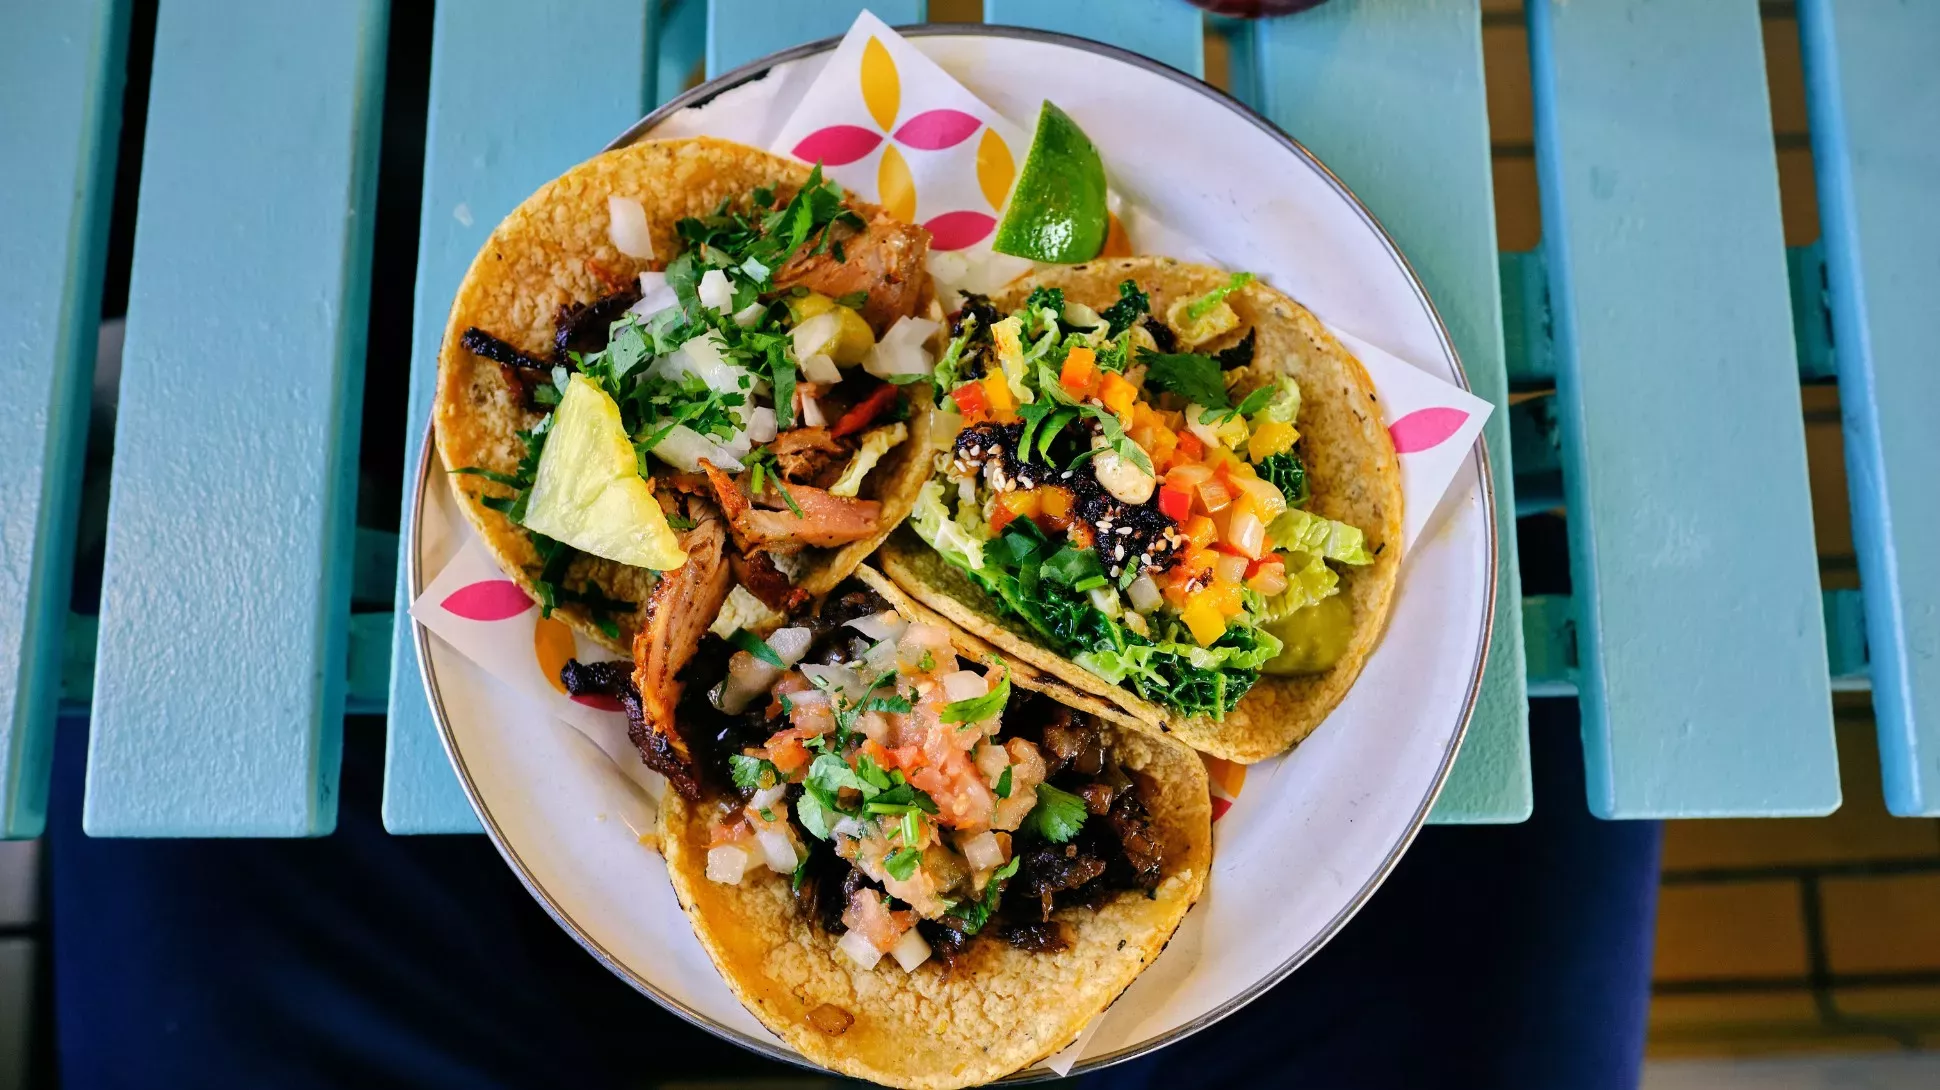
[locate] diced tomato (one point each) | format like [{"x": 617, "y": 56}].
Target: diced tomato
[
  {"x": 1118, "y": 395},
  {"x": 1190, "y": 448},
  {"x": 1000, "y": 518},
  {"x": 1080, "y": 373},
  {"x": 970, "y": 400},
  {"x": 908, "y": 757},
  {"x": 787, "y": 755},
  {"x": 874, "y": 750},
  {"x": 866, "y": 411},
  {"x": 1174, "y": 503}
]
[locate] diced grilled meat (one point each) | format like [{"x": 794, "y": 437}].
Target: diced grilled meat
[
  {"x": 615, "y": 679},
  {"x": 947, "y": 944},
  {"x": 1048, "y": 870},
  {"x": 1097, "y": 798},
  {"x": 811, "y": 456},
  {"x": 584, "y": 327},
  {"x": 683, "y": 603},
  {"x": 1069, "y": 737},
  {"x": 1041, "y": 937},
  {"x": 758, "y": 573},
  {"x": 522, "y": 372},
  {"x": 885, "y": 260},
  {"x": 825, "y": 521},
  {"x": 1141, "y": 854}
]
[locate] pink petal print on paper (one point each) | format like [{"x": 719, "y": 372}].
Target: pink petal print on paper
[
  {"x": 934, "y": 130},
  {"x": 1426, "y": 428},
  {"x": 487, "y": 600},
  {"x": 955, "y": 230},
  {"x": 837, "y": 145},
  {"x": 1219, "y": 807},
  {"x": 602, "y": 703}
]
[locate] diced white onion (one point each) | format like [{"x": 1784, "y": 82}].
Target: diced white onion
[
  {"x": 945, "y": 424},
  {"x": 715, "y": 291},
  {"x": 922, "y": 639},
  {"x": 1207, "y": 433},
  {"x": 767, "y": 797},
  {"x": 626, "y": 225},
  {"x": 846, "y": 680},
  {"x": 818, "y": 367},
  {"x": 750, "y": 314},
  {"x": 983, "y": 852},
  {"x": 651, "y": 281},
  {"x": 683, "y": 448},
  {"x": 880, "y": 656},
  {"x": 964, "y": 685},
  {"x": 727, "y": 863},
  {"x": 790, "y": 644},
  {"x": 859, "y": 949},
  {"x": 1144, "y": 594},
  {"x": 703, "y": 357},
  {"x": 901, "y": 351},
  {"x": 807, "y": 697},
  {"x": 814, "y": 335},
  {"x": 777, "y": 851},
  {"x": 812, "y": 410},
  {"x": 886, "y": 625},
  {"x": 1106, "y": 599},
  {"x": 911, "y": 330},
  {"x": 655, "y": 296},
  {"x": 761, "y": 425},
  {"x": 747, "y": 678},
  {"x": 853, "y": 828},
  {"x": 910, "y": 951}
]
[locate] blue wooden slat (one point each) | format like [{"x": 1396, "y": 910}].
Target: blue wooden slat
[
  {"x": 1702, "y": 646},
  {"x": 61, "y": 71},
  {"x": 218, "y": 701},
  {"x": 1873, "y": 82},
  {"x": 680, "y": 43},
  {"x": 1166, "y": 30},
  {"x": 495, "y": 134},
  {"x": 1391, "y": 98},
  {"x": 739, "y": 31}
]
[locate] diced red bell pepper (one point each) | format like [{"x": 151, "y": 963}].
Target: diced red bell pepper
[
  {"x": 1174, "y": 503},
  {"x": 970, "y": 399},
  {"x": 866, "y": 411},
  {"x": 1191, "y": 449}
]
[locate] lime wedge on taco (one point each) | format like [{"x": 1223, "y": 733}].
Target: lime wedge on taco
[{"x": 1057, "y": 211}]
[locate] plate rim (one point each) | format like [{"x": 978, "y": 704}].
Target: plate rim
[{"x": 705, "y": 92}]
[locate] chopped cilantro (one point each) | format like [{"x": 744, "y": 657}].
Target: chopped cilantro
[
  {"x": 902, "y": 863},
  {"x": 801, "y": 872},
  {"x": 1058, "y": 815},
  {"x": 978, "y": 912},
  {"x": 979, "y": 708},
  {"x": 817, "y": 818},
  {"x": 1003, "y": 784},
  {"x": 752, "y": 773},
  {"x": 853, "y": 300},
  {"x": 756, "y": 646},
  {"x": 927, "y": 662},
  {"x": 1188, "y": 374}
]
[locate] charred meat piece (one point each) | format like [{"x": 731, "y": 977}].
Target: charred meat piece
[
  {"x": 683, "y": 603},
  {"x": 1051, "y": 869},
  {"x": 811, "y": 456},
  {"x": 1141, "y": 851},
  {"x": 758, "y": 573},
  {"x": 1069, "y": 737},
  {"x": 946, "y": 943},
  {"x": 584, "y": 327},
  {"x": 479, "y": 342},
  {"x": 1042, "y": 937},
  {"x": 767, "y": 522},
  {"x": 885, "y": 260},
  {"x": 615, "y": 680},
  {"x": 1162, "y": 334}
]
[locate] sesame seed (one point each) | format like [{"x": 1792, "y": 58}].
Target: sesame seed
[
  {"x": 1124, "y": 530},
  {"x": 1118, "y": 552}
]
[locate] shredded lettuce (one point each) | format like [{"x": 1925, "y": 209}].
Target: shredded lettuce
[
  {"x": 1307, "y": 532},
  {"x": 1284, "y": 405},
  {"x": 959, "y": 542},
  {"x": 876, "y": 442},
  {"x": 1309, "y": 580}
]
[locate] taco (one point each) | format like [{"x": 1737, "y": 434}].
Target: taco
[
  {"x": 914, "y": 864},
  {"x": 1169, "y": 487},
  {"x": 686, "y": 324}
]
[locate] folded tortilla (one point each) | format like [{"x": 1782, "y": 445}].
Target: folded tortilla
[
  {"x": 554, "y": 250},
  {"x": 1001, "y": 1009},
  {"x": 1351, "y": 468}
]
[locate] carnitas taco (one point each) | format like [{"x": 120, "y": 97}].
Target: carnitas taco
[
  {"x": 1170, "y": 487},
  {"x": 913, "y": 863},
  {"x": 682, "y": 327}
]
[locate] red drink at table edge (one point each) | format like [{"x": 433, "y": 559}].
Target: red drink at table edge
[{"x": 1254, "y": 9}]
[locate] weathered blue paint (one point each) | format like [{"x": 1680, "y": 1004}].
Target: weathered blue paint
[
  {"x": 1391, "y": 98},
  {"x": 739, "y": 31},
  {"x": 61, "y": 71},
  {"x": 1700, "y": 636},
  {"x": 1872, "y": 74},
  {"x": 495, "y": 134},
  {"x": 680, "y": 44},
  {"x": 218, "y": 698},
  {"x": 1164, "y": 30}
]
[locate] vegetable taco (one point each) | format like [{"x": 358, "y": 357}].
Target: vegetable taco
[
  {"x": 1169, "y": 487},
  {"x": 680, "y": 335},
  {"x": 914, "y": 864}
]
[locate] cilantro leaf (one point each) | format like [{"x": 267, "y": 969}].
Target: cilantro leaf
[
  {"x": 830, "y": 773},
  {"x": 978, "y": 708},
  {"x": 901, "y": 799},
  {"x": 752, "y": 773},
  {"x": 1121, "y": 315},
  {"x": 801, "y": 873},
  {"x": 872, "y": 773},
  {"x": 756, "y": 646},
  {"x": 1188, "y": 374},
  {"x": 1003, "y": 784},
  {"x": 902, "y": 863},
  {"x": 1058, "y": 815},
  {"x": 816, "y": 817},
  {"x": 978, "y": 913}
]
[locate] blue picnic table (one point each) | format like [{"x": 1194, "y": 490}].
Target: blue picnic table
[{"x": 1662, "y": 305}]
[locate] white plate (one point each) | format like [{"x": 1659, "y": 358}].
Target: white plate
[{"x": 1313, "y": 833}]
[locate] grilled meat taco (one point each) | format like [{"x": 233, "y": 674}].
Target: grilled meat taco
[
  {"x": 1169, "y": 487},
  {"x": 686, "y": 324},
  {"x": 913, "y": 864}
]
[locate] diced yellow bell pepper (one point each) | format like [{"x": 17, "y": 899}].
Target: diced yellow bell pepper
[
  {"x": 1271, "y": 437},
  {"x": 997, "y": 392},
  {"x": 1203, "y": 619},
  {"x": 1118, "y": 395}
]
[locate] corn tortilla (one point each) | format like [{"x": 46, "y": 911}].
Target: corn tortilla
[
  {"x": 554, "y": 249},
  {"x": 1002, "y": 1009},
  {"x": 1351, "y": 468}
]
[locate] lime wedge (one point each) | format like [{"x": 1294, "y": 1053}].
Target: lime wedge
[
  {"x": 1057, "y": 210},
  {"x": 588, "y": 491}
]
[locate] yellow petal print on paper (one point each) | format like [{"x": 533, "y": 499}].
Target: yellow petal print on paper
[
  {"x": 882, "y": 90},
  {"x": 552, "y": 644},
  {"x": 894, "y": 185},
  {"x": 995, "y": 168}
]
